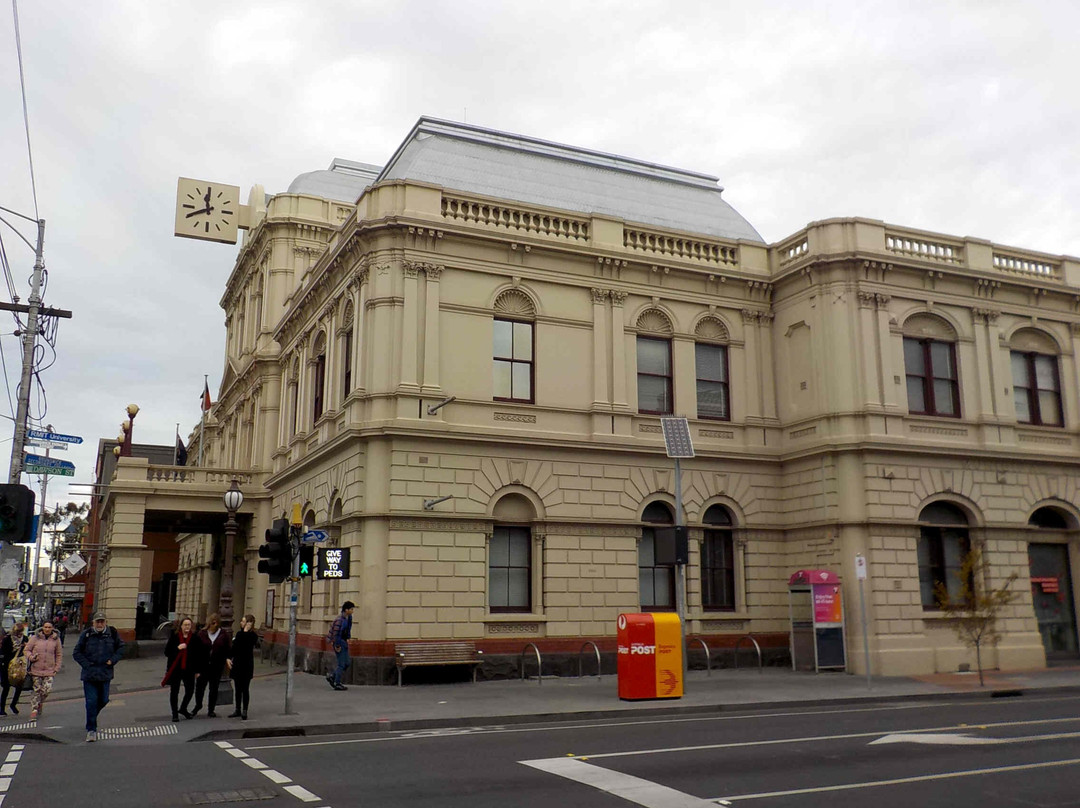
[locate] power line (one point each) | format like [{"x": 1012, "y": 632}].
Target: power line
[{"x": 26, "y": 115}]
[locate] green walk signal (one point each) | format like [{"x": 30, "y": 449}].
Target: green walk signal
[{"x": 307, "y": 560}]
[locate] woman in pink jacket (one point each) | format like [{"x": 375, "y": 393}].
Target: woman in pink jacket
[{"x": 45, "y": 654}]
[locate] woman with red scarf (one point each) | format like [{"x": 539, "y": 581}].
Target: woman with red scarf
[{"x": 181, "y": 652}]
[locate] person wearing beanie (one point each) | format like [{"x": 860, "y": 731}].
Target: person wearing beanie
[
  {"x": 97, "y": 651},
  {"x": 340, "y": 633}
]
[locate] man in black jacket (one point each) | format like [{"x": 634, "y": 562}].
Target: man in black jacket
[{"x": 98, "y": 650}]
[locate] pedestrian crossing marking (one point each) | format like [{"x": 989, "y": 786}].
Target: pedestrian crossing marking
[{"x": 115, "y": 733}]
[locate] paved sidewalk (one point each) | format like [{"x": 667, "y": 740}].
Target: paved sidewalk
[{"x": 139, "y": 707}]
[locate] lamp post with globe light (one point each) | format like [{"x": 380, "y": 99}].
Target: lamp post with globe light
[{"x": 233, "y": 499}]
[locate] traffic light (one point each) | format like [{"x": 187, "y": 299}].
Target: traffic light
[
  {"x": 16, "y": 514},
  {"x": 307, "y": 560},
  {"x": 277, "y": 552}
]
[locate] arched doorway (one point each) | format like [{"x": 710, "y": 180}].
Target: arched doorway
[{"x": 1051, "y": 583}]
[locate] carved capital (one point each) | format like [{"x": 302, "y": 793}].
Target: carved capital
[
  {"x": 866, "y": 300},
  {"x": 411, "y": 269},
  {"x": 433, "y": 271},
  {"x": 750, "y": 316},
  {"x": 988, "y": 316},
  {"x": 618, "y": 298},
  {"x": 599, "y": 295},
  {"x": 882, "y": 300}
]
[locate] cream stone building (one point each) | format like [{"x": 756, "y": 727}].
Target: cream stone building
[{"x": 456, "y": 363}]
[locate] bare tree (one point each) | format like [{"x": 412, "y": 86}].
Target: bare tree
[{"x": 975, "y": 609}]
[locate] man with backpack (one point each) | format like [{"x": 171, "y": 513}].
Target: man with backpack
[
  {"x": 97, "y": 651},
  {"x": 340, "y": 633}
]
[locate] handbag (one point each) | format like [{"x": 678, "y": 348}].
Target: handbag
[{"x": 17, "y": 670}]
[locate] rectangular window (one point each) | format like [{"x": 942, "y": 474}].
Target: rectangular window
[
  {"x": 510, "y": 570},
  {"x": 1036, "y": 389},
  {"x": 294, "y": 405},
  {"x": 513, "y": 361},
  {"x": 941, "y": 554},
  {"x": 718, "y": 571},
  {"x": 932, "y": 382},
  {"x": 346, "y": 350},
  {"x": 654, "y": 376},
  {"x": 713, "y": 400},
  {"x": 655, "y": 581},
  {"x": 319, "y": 384}
]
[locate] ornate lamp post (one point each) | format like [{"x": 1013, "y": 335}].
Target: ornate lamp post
[
  {"x": 233, "y": 498},
  {"x": 123, "y": 449}
]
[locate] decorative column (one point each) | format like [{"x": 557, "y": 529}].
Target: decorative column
[
  {"x": 985, "y": 349},
  {"x": 768, "y": 363},
  {"x": 409, "y": 327},
  {"x": 868, "y": 381},
  {"x": 600, "y": 359},
  {"x": 750, "y": 320},
  {"x": 890, "y": 391},
  {"x": 618, "y": 352},
  {"x": 432, "y": 339},
  {"x": 360, "y": 318}
]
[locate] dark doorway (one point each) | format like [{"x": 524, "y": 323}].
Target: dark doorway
[{"x": 1052, "y": 594}]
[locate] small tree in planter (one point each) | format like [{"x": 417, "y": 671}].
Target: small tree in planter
[{"x": 975, "y": 609}]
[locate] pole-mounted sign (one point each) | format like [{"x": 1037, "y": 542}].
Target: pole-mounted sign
[{"x": 333, "y": 563}]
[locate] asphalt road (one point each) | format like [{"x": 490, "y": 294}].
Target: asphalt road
[{"x": 1002, "y": 752}]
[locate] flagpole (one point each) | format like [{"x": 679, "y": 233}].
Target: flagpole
[{"x": 202, "y": 425}]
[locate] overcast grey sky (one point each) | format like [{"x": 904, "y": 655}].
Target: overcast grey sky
[{"x": 955, "y": 117}]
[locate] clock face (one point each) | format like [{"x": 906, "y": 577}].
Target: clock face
[{"x": 207, "y": 210}]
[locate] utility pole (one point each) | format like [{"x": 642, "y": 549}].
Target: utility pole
[
  {"x": 29, "y": 341},
  {"x": 294, "y": 597}
]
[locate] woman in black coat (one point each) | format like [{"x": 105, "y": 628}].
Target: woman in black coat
[
  {"x": 182, "y": 666},
  {"x": 11, "y": 647},
  {"x": 242, "y": 664}
]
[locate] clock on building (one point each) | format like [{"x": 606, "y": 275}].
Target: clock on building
[{"x": 207, "y": 210}]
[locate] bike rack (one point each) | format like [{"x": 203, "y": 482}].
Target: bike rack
[
  {"x": 760, "y": 664},
  {"x": 582, "y": 650},
  {"x": 708, "y": 656},
  {"x": 539, "y": 663}
]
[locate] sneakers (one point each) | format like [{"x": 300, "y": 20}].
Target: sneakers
[
  {"x": 330, "y": 679},
  {"x": 340, "y": 687},
  {"x": 33, "y": 714},
  {"x": 91, "y": 736}
]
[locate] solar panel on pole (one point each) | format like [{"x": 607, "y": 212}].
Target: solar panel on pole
[{"x": 677, "y": 437}]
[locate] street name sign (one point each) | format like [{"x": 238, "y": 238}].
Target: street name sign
[
  {"x": 44, "y": 444},
  {"x": 52, "y": 437},
  {"x": 38, "y": 464},
  {"x": 333, "y": 563}
]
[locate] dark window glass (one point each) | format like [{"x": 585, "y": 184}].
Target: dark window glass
[
  {"x": 319, "y": 384},
  {"x": 510, "y": 570},
  {"x": 1049, "y": 518},
  {"x": 941, "y": 550},
  {"x": 656, "y": 581},
  {"x": 346, "y": 350},
  {"x": 713, "y": 400},
  {"x": 932, "y": 382},
  {"x": 718, "y": 561},
  {"x": 512, "y": 350},
  {"x": 1036, "y": 389},
  {"x": 654, "y": 376}
]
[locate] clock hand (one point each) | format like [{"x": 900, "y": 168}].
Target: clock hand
[{"x": 197, "y": 213}]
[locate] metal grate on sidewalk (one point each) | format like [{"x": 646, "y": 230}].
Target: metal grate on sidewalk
[{"x": 114, "y": 733}]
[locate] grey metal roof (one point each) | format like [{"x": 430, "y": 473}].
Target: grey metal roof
[
  {"x": 343, "y": 181},
  {"x": 482, "y": 161}
]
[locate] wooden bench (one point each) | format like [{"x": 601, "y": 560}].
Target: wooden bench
[{"x": 457, "y": 652}]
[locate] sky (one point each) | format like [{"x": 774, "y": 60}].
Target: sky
[{"x": 956, "y": 117}]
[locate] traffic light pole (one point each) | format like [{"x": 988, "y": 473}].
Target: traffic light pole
[
  {"x": 29, "y": 341},
  {"x": 294, "y": 596}
]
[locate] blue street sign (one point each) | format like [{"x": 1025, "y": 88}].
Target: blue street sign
[
  {"x": 54, "y": 437},
  {"x": 48, "y": 462},
  {"x": 314, "y": 536}
]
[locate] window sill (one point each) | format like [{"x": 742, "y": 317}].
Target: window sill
[
  {"x": 514, "y": 617},
  {"x": 719, "y": 615}
]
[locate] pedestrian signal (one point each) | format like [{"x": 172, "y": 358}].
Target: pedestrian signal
[
  {"x": 277, "y": 552},
  {"x": 16, "y": 514},
  {"x": 307, "y": 560}
]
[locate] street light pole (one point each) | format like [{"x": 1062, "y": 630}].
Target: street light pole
[{"x": 234, "y": 498}]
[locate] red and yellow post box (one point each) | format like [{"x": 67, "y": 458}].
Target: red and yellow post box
[{"x": 650, "y": 656}]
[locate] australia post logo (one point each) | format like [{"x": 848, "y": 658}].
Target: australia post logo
[{"x": 636, "y": 648}]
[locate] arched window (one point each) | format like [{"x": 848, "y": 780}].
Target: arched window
[
  {"x": 711, "y": 363},
  {"x": 512, "y": 347},
  {"x": 943, "y": 545},
  {"x": 718, "y": 561},
  {"x": 930, "y": 363},
  {"x": 1049, "y": 519},
  {"x": 656, "y": 581},
  {"x": 1036, "y": 379},
  {"x": 654, "y": 372},
  {"x": 510, "y": 556},
  {"x": 318, "y": 382}
]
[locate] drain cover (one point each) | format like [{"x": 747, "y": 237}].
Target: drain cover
[{"x": 219, "y": 797}]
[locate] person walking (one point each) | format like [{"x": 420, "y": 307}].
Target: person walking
[
  {"x": 339, "y": 636},
  {"x": 97, "y": 651},
  {"x": 61, "y": 625},
  {"x": 11, "y": 646},
  {"x": 46, "y": 655},
  {"x": 182, "y": 658},
  {"x": 215, "y": 647},
  {"x": 242, "y": 665}
]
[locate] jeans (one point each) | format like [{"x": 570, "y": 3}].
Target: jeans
[
  {"x": 97, "y": 696},
  {"x": 342, "y": 662},
  {"x": 242, "y": 689},
  {"x": 187, "y": 679},
  {"x": 209, "y": 679}
]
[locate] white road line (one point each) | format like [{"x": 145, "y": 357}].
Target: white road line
[
  {"x": 7, "y": 769},
  {"x": 897, "y": 781},
  {"x": 237, "y": 753},
  {"x": 5, "y": 783},
  {"x": 626, "y": 786},
  {"x": 303, "y": 794},
  {"x": 276, "y": 776},
  {"x": 18, "y": 746},
  {"x": 532, "y": 728},
  {"x": 959, "y": 739},
  {"x": 223, "y": 744},
  {"x": 13, "y": 757},
  {"x": 255, "y": 764}
]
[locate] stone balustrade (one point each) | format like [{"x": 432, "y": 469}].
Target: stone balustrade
[{"x": 522, "y": 220}]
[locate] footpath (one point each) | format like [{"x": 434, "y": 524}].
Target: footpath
[{"x": 139, "y": 706}]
